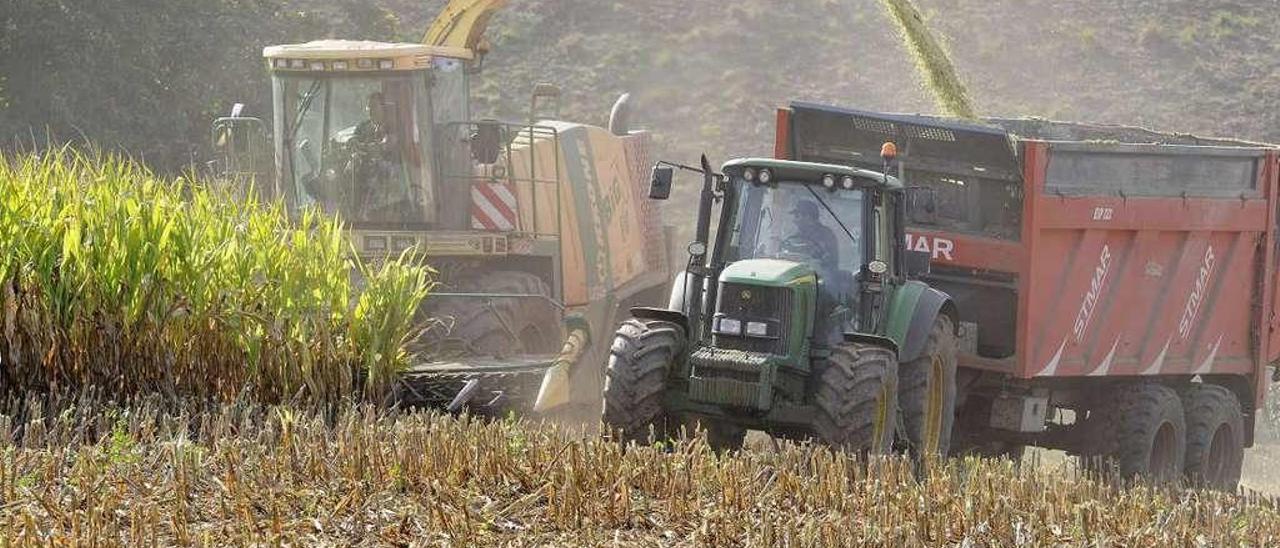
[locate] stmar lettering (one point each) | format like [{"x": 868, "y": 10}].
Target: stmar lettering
[
  {"x": 1196, "y": 298},
  {"x": 1090, "y": 303}
]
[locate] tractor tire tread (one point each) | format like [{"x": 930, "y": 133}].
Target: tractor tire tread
[
  {"x": 640, "y": 360},
  {"x": 913, "y": 389},
  {"x": 847, "y": 397}
]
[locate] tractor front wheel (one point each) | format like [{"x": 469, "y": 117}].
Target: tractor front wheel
[
  {"x": 640, "y": 361},
  {"x": 857, "y": 399}
]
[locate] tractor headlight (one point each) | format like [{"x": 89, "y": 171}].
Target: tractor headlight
[
  {"x": 766, "y": 176},
  {"x": 749, "y": 175},
  {"x": 728, "y": 326},
  {"x": 829, "y": 181},
  {"x": 847, "y": 182},
  {"x": 757, "y": 329}
]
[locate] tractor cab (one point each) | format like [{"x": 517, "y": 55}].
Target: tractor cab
[
  {"x": 812, "y": 232},
  {"x": 828, "y": 223},
  {"x": 356, "y": 127}
]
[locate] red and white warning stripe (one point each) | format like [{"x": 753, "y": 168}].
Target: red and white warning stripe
[{"x": 493, "y": 206}]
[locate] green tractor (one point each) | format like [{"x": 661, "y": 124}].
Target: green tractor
[{"x": 801, "y": 319}]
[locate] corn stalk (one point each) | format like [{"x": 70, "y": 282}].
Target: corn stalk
[{"x": 116, "y": 278}]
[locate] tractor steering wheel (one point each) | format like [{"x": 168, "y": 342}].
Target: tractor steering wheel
[{"x": 799, "y": 244}]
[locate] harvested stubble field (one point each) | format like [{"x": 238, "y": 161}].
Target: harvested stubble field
[
  {"x": 170, "y": 297},
  {"x": 153, "y": 474}
]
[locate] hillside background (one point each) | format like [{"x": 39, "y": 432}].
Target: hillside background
[{"x": 146, "y": 76}]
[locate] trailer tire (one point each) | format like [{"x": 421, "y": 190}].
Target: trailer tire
[
  {"x": 1145, "y": 432},
  {"x": 640, "y": 361},
  {"x": 857, "y": 399},
  {"x": 927, "y": 394},
  {"x": 498, "y": 326},
  {"x": 1215, "y": 437}
]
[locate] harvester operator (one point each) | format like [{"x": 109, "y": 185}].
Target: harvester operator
[{"x": 375, "y": 163}]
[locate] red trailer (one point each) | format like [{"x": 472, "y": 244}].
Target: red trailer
[{"x": 1104, "y": 275}]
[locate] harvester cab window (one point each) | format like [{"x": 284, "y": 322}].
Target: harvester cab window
[
  {"x": 357, "y": 147},
  {"x": 450, "y": 113}
]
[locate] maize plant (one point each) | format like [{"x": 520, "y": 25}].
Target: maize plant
[{"x": 114, "y": 277}]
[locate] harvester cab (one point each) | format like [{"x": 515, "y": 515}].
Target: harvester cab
[
  {"x": 368, "y": 130},
  {"x": 794, "y": 318}
]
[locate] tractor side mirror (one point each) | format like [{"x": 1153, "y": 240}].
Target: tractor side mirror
[
  {"x": 917, "y": 263},
  {"x": 660, "y": 182}
]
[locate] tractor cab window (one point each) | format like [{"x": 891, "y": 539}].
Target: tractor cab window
[
  {"x": 788, "y": 221},
  {"x": 356, "y": 146}
]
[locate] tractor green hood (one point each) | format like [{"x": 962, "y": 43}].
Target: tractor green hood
[{"x": 769, "y": 272}]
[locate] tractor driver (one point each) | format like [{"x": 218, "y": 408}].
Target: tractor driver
[
  {"x": 816, "y": 240},
  {"x": 811, "y": 237}
]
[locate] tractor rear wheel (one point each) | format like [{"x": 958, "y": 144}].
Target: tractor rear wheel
[
  {"x": 1144, "y": 432},
  {"x": 498, "y": 326},
  {"x": 640, "y": 361},
  {"x": 927, "y": 394},
  {"x": 1215, "y": 437},
  {"x": 857, "y": 399}
]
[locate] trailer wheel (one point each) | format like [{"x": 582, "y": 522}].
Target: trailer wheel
[
  {"x": 1145, "y": 432},
  {"x": 927, "y": 394},
  {"x": 498, "y": 326},
  {"x": 857, "y": 399},
  {"x": 1215, "y": 437},
  {"x": 640, "y": 360}
]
